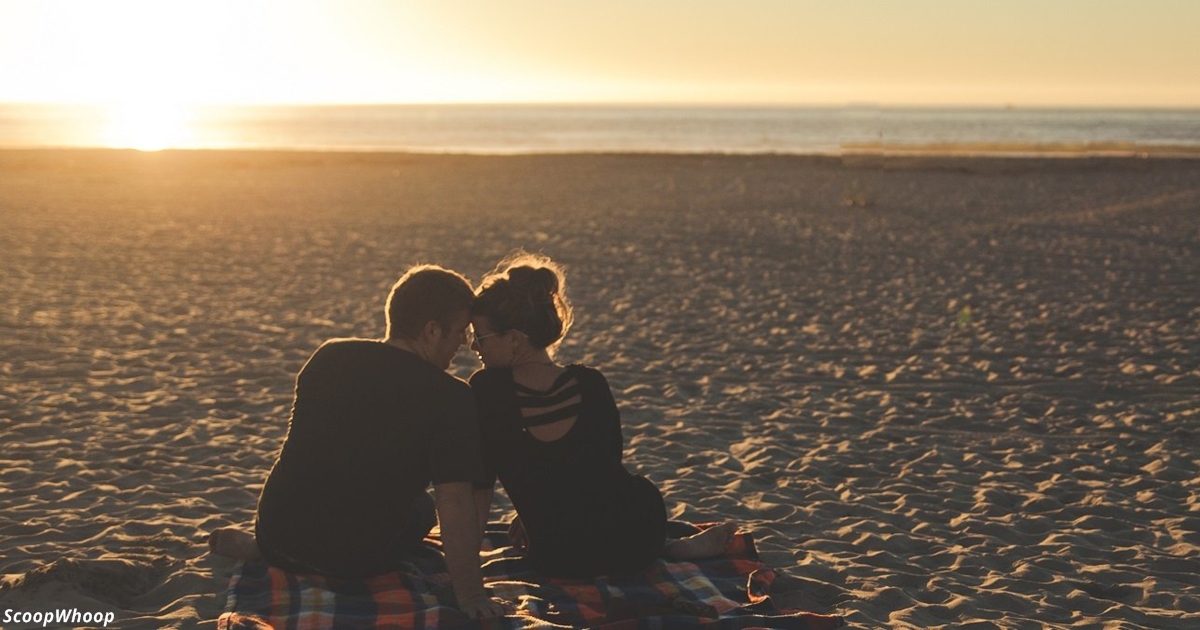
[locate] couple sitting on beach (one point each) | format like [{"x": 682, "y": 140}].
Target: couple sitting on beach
[{"x": 374, "y": 423}]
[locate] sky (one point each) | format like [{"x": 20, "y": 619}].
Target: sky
[{"x": 1142, "y": 53}]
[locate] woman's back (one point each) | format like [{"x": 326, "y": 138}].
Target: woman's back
[{"x": 557, "y": 450}]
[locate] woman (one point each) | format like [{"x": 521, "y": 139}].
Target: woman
[{"x": 552, "y": 435}]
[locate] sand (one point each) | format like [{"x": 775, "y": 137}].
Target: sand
[{"x": 942, "y": 392}]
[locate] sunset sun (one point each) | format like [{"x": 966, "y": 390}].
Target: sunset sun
[{"x": 146, "y": 126}]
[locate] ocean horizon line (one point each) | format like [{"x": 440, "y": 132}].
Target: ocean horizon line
[
  {"x": 1149, "y": 152},
  {"x": 632, "y": 105},
  {"x": 589, "y": 128}
]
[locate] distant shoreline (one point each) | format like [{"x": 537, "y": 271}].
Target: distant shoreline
[
  {"x": 852, "y": 151},
  {"x": 554, "y": 130},
  {"x": 1034, "y": 149}
]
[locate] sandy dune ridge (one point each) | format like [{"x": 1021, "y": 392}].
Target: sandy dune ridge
[{"x": 942, "y": 392}]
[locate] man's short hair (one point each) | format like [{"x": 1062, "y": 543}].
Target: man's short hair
[{"x": 426, "y": 293}]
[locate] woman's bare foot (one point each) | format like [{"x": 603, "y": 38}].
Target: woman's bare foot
[
  {"x": 708, "y": 543},
  {"x": 234, "y": 543}
]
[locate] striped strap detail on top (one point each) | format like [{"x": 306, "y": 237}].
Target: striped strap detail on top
[{"x": 561, "y": 402}]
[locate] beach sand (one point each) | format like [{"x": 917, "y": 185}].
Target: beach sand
[{"x": 941, "y": 392}]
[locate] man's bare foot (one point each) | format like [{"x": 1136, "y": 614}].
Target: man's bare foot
[
  {"x": 233, "y": 543},
  {"x": 708, "y": 543}
]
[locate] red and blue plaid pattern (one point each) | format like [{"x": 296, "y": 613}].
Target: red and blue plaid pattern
[{"x": 726, "y": 592}]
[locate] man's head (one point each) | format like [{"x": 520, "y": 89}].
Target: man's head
[{"x": 429, "y": 309}]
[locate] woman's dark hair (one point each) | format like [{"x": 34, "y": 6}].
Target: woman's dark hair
[{"x": 526, "y": 292}]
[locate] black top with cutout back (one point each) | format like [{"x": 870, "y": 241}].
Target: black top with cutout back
[{"x": 584, "y": 513}]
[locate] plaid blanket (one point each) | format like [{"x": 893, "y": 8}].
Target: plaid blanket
[{"x": 730, "y": 591}]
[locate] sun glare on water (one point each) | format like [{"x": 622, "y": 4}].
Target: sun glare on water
[{"x": 146, "y": 126}]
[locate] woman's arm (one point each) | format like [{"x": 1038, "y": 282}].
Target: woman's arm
[{"x": 610, "y": 415}]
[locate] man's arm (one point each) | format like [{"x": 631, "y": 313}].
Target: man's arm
[{"x": 460, "y": 541}]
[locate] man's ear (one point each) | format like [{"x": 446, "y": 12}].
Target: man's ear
[{"x": 432, "y": 331}]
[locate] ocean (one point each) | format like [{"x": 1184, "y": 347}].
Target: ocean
[{"x": 508, "y": 129}]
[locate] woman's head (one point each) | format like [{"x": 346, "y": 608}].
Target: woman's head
[{"x": 526, "y": 294}]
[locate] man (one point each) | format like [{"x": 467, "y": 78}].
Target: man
[{"x": 373, "y": 424}]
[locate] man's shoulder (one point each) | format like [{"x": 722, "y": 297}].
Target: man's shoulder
[
  {"x": 381, "y": 357},
  {"x": 337, "y": 352},
  {"x": 348, "y": 345},
  {"x": 435, "y": 381},
  {"x": 454, "y": 383}
]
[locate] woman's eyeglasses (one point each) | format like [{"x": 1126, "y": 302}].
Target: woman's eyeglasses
[{"x": 472, "y": 339}]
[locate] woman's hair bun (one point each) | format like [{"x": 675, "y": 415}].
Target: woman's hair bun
[
  {"x": 527, "y": 292},
  {"x": 534, "y": 280}
]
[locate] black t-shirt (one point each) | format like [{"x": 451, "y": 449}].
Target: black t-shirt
[{"x": 372, "y": 426}]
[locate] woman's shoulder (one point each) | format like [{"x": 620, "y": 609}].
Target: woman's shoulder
[
  {"x": 503, "y": 377},
  {"x": 587, "y": 374},
  {"x": 490, "y": 377}
]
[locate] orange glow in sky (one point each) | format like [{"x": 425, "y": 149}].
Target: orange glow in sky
[{"x": 939, "y": 52}]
